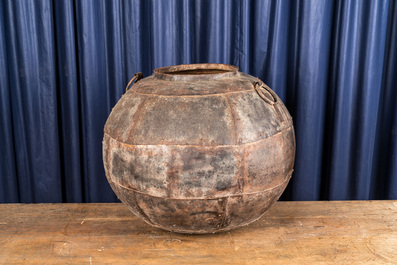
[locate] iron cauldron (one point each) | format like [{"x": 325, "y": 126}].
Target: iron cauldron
[{"x": 199, "y": 148}]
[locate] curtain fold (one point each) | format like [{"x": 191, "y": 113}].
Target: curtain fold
[{"x": 65, "y": 64}]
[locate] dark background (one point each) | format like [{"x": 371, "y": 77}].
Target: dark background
[{"x": 65, "y": 64}]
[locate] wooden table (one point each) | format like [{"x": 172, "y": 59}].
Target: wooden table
[{"x": 351, "y": 232}]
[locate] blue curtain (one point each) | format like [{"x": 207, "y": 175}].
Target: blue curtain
[{"x": 64, "y": 65}]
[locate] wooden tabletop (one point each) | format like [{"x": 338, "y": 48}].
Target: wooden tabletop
[{"x": 351, "y": 232}]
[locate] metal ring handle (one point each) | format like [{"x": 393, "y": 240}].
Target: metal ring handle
[
  {"x": 136, "y": 77},
  {"x": 265, "y": 93}
]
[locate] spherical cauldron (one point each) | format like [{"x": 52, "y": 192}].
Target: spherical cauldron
[{"x": 199, "y": 148}]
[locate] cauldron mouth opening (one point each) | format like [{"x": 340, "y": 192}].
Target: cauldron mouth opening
[{"x": 203, "y": 71}]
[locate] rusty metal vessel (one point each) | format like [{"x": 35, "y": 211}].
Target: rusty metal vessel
[{"x": 199, "y": 148}]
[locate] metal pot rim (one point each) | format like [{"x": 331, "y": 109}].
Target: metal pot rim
[{"x": 196, "y": 72}]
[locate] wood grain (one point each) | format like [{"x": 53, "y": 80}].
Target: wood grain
[{"x": 351, "y": 232}]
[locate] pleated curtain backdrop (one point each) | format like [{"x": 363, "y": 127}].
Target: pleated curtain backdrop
[{"x": 65, "y": 64}]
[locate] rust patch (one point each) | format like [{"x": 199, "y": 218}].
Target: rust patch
[
  {"x": 250, "y": 112},
  {"x": 131, "y": 126},
  {"x": 200, "y": 216},
  {"x": 206, "y": 171},
  {"x": 178, "y": 120},
  {"x": 173, "y": 176},
  {"x": 123, "y": 116},
  {"x": 233, "y": 120},
  {"x": 183, "y": 215},
  {"x": 279, "y": 115},
  {"x": 143, "y": 169},
  {"x": 267, "y": 163}
]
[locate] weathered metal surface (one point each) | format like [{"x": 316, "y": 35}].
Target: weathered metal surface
[{"x": 199, "y": 148}]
